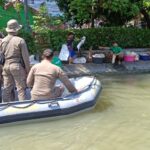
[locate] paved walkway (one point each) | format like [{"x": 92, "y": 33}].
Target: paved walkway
[{"x": 107, "y": 68}]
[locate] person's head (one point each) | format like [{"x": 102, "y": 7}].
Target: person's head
[
  {"x": 13, "y": 26},
  {"x": 115, "y": 44},
  {"x": 70, "y": 36},
  {"x": 47, "y": 54}
]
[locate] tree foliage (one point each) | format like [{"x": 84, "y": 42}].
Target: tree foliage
[
  {"x": 117, "y": 12},
  {"x": 79, "y": 11},
  {"x": 41, "y": 20},
  {"x": 145, "y": 10}
]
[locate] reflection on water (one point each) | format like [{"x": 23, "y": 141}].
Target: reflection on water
[{"x": 120, "y": 121}]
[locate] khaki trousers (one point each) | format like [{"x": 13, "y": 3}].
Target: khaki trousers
[
  {"x": 114, "y": 57},
  {"x": 57, "y": 92},
  {"x": 14, "y": 76}
]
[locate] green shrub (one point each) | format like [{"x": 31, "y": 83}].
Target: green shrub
[
  {"x": 29, "y": 40},
  {"x": 125, "y": 37}
]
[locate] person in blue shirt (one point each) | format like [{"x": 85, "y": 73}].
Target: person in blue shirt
[{"x": 70, "y": 40}]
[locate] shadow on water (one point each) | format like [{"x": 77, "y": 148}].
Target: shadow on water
[{"x": 102, "y": 106}]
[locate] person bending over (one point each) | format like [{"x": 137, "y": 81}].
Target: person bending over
[
  {"x": 116, "y": 53},
  {"x": 42, "y": 78}
]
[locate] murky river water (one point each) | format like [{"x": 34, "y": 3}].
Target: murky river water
[{"x": 120, "y": 121}]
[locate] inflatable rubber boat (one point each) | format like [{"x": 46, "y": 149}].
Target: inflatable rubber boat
[{"x": 68, "y": 104}]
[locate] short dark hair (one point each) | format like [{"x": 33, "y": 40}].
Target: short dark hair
[
  {"x": 70, "y": 33},
  {"x": 114, "y": 42},
  {"x": 47, "y": 53}
]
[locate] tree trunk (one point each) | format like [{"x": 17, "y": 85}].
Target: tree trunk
[
  {"x": 92, "y": 21},
  {"x": 92, "y": 17},
  {"x": 146, "y": 16},
  {"x": 26, "y": 13}
]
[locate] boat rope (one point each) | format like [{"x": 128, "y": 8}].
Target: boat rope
[
  {"x": 49, "y": 101},
  {"x": 14, "y": 106},
  {"x": 32, "y": 103}
]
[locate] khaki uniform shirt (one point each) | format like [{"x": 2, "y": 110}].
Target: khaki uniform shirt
[
  {"x": 16, "y": 50},
  {"x": 43, "y": 76}
]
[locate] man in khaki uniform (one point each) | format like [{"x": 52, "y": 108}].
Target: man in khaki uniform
[
  {"x": 42, "y": 77},
  {"x": 16, "y": 65}
]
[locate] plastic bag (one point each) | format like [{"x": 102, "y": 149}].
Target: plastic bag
[{"x": 64, "y": 53}]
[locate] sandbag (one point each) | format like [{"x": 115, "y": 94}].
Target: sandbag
[
  {"x": 64, "y": 53},
  {"x": 79, "y": 60}
]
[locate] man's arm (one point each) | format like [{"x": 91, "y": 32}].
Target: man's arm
[
  {"x": 25, "y": 55},
  {"x": 64, "y": 78},
  {"x": 30, "y": 78},
  {"x": 104, "y": 48}
]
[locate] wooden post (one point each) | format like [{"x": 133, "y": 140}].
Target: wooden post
[{"x": 27, "y": 27}]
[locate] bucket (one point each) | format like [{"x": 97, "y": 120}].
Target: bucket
[
  {"x": 129, "y": 58},
  {"x": 98, "y": 58},
  {"x": 144, "y": 57}
]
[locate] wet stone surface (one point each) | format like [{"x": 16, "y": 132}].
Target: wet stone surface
[{"x": 106, "y": 68}]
